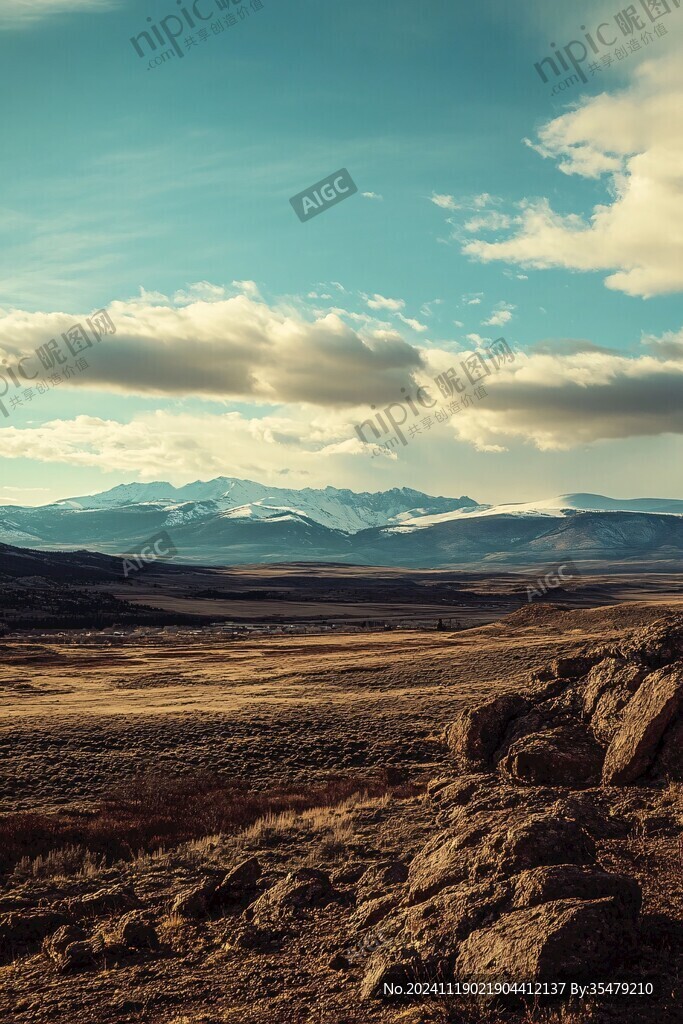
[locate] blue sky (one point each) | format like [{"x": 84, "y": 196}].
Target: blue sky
[{"x": 249, "y": 344}]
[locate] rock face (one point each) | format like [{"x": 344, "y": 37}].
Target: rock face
[
  {"x": 657, "y": 703},
  {"x": 239, "y": 883},
  {"x": 477, "y": 732},
  {"x": 560, "y": 940},
  {"x": 297, "y": 892},
  {"x": 598, "y": 716},
  {"x": 563, "y": 756},
  {"x": 509, "y": 887}
]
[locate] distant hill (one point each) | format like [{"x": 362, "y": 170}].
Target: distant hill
[{"x": 229, "y": 521}]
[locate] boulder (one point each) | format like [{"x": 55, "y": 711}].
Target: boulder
[
  {"x": 54, "y": 945},
  {"x": 564, "y": 756},
  {"x": 570, "y": 881},
  {"x": 297, "y": 892},
  {"x": 440, "y": 924},
  {"x": 566, "y": 939},
  {"x": 194, "y": 902},
  {"x": 135, "y": 932},
  {"x": 544, "y": 839},
  {"x": 69, "y": 949},
  {"x": 239, "y": 882},
  {"x": 496, "y": 845},
  {"x": 477, "y": 732},
  {"x": 449, "y": 857},
  {"x": 379, "y": 877},
  {"x": 396, "y": 967},
  {"x": 610, "y": 674},
  {"x": 655, "y": 707},
  {"x": 657, "y": 645}
]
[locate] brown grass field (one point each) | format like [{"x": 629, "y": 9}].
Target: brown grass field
[{"x": 153, "y": 763}]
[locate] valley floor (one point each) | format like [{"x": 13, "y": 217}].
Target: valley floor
[{"x": 279, "y": 714}]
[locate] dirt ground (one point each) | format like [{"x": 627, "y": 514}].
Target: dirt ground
[{"x": 78, "y": 719}]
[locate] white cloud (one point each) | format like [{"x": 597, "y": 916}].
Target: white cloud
[
  {"x": 501, "y": 315},
  {"x": 443, "y": 201},
  {"x": 379, "y": 302},
  {"x": 414, "y": 324},
  {"x": 372, "y": 195},
  {"x": 225, "y": 349},
  {"x": 633, "y": 139}
]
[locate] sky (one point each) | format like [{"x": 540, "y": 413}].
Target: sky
[{"x": 239, "y": 341}]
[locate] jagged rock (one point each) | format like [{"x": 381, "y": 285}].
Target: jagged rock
[
  {"x": 444, "y": 921},
  {"x": 543, "y": 839},
  {"x": 20, "y": 930},
  {"x": 372, "y": 912},
  {"x": 238, "y": 883},
  {"x": 572, "y": 668},
  {"x": 609, "y": 687},
  {"x": 657, "y": 645},
  {"x": 448, "y": 857},
  {"x": 569, "y": 881},
  {"x": 298, "y": 891},
  {"x": 608, "y": 674},
  {"x": 491, "y": 844},
  {"x": 134, "y": 932},
  {"x": 55, "y": 945},
  {"x": 564, "y": 756},
  {"x": 396, "y": 967},
  {"x": 565, "y": 939},
  {"x": 194, "y": 902},
  {"x": 477, "y": 732},
  {"x": 105, "y": 901},
  {"x": 650, "y": 712},
  {"x": 376, "y": 880}
]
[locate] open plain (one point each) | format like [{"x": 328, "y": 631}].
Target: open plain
[{"x": 138, "y": 771}]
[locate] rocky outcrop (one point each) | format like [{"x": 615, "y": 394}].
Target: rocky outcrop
[
  {"x": 477, "y": 732},
  {"x": 611, "y": 715},
  {"x": 564, "y": 939},
  {"x": 657, "y": 703},
  {"x": 294, "y": 894},
  {"x": 510, "y": 886}
]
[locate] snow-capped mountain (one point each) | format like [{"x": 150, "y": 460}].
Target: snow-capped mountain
[
  {"x": 229, "y": 521},
  {"x": 335, "y": 509}
]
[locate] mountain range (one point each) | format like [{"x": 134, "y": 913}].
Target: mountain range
[{"x": 230, "y": 521}]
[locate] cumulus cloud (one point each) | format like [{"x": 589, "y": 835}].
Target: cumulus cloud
[
  {"x": 372, "y": 195},
  {"x": 234, "y": 348},
  {"x": 321, "y": 376},
  {"x": 560, "y": 400},
  {"x": 634, "y": 141}
]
